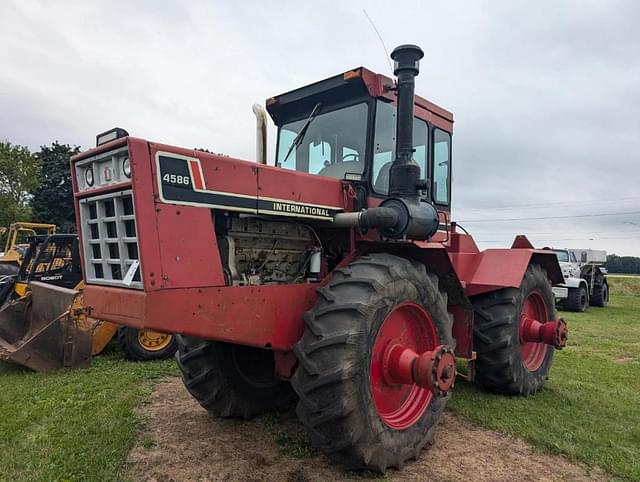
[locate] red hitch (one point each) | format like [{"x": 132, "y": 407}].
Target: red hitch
[
  {"x": 435, "y": 369},
  {"x": 551, "y": 333}
]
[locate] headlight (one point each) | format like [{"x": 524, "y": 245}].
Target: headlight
[
  {"x": 126, "y": 167},
  {"x": 88, "y": 176}
]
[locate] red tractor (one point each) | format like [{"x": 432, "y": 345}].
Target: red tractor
[{"x": 337, "y": 272}]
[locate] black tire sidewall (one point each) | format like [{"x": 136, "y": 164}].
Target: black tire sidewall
[
  {"x": 228, "y": 358},
  {"x": 583, "y": 299},
  {"x": 220, "y": 388},
  {"x": 601, "y": 297}
]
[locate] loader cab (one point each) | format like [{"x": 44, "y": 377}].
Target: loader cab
[
  {"x": 53, "y": 260},
  {"x": 344, "y": 127}
]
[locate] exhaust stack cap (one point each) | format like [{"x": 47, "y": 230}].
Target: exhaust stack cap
[{"x": 407, "y": 57}]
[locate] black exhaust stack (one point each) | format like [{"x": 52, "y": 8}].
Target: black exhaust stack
[
  {"x": 402, "y": 214},
  {"x": 405, "y": 172}
]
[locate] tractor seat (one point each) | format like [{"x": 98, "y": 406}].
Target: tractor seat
[
  {"x": 339, "y": 169},
  {"x": 381, "y": 184}
]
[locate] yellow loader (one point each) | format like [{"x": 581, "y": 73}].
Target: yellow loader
[
  {"x": 42, "y": 322},
  {"x": 15, "y": 244}
]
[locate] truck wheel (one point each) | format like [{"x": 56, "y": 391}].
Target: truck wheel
[
  {"x": 231, "y": 380},
  {"x": 145, "y": 345},
  {"x": 504, "y": 364},
  {"x": 577, "y": 300},
  {"x": 350, "y": 409},
  {"x": 600, "y": 296}
]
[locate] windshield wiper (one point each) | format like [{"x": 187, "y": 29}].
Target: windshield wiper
[{"x": 297, "y": 140}]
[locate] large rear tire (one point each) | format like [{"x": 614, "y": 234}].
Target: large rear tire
[
  {"x": 348, "y": 409},
  {"x": 505, "y": 364},
  {"x": 231, "y": 380},
  {"x": 578, "y": 300},
  {"x": 146, "y": 345}
]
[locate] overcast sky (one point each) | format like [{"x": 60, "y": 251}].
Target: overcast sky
[{"x": 546, "y": 94}]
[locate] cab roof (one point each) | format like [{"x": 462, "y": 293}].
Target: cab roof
[{"x": 351, "y": 84}]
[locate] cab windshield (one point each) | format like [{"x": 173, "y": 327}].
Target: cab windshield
[
  {"x": 563, "y": 256},
  {"x": 333, "y": 144}
]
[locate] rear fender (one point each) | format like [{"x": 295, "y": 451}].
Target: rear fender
[
  {"x": 495, "y": 269},
  {"x": 434, "y": 256}
]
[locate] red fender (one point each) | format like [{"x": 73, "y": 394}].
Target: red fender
[
  {"x": 494, "y": 269},
  {"x": 435, "y": 257},
  {"x": 465, "y": 271}
]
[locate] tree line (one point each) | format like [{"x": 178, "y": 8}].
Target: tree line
[
  {"x": 37, "y": 186},
  {"x": 622, "y": 264}
]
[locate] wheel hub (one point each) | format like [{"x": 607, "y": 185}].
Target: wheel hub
[
  {"x": 552, "y": 333},
  {"x": 408, "y": 366},
  {"x": 434, "y": 369},
  {"x": 153, "y": 340},
  {"x": 537, "y": 332}
]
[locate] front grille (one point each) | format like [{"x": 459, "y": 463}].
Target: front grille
[{"x": 110, "y": 240}]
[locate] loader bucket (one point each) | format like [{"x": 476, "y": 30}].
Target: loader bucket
[{"x": 45, "y": 330}]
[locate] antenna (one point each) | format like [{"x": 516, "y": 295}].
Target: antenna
[{"x": 386, "y": 52}]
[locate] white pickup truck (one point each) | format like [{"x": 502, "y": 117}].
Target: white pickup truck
[{"x": 585, "y": 280}]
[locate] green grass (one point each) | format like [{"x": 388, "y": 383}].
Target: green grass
[
  {"x": 625, "y": 285},
  {"x": 75, "y": 425},
  {"x": 289, "y": 443},
  {"x": 79, "y": 425},
  {"x": 590, "y": 408}
]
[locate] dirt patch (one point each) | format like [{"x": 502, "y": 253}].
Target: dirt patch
[
  {"x": 623, "y": 359},
  {"x": 182, "y": 443}
]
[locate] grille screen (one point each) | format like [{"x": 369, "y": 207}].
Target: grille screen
[{"x": 110, "y": 240}]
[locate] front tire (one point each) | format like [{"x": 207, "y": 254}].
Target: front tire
[
  {"x": 505, "y": 364},
  {"x": 231, "y": 380},
  {"x": 348, "y": 410}
]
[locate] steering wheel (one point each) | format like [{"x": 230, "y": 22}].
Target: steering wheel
[{"x": 355, "y": 155}]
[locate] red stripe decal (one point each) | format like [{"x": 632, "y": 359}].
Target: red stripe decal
[{"x": 198, "y": 182}]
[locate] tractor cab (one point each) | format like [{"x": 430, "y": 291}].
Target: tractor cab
[{"x": 344, "y": 127}]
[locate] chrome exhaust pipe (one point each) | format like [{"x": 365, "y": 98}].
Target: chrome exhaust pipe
[{"x": 261, "y": 133}]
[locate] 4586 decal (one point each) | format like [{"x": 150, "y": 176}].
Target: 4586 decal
[
  {"x": 176, "y": 179},
  {"x": 181, "y": 181}
]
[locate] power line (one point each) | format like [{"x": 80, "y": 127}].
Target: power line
[
  {"x": 562, "y": 231},
  {"x": 533, "y": 238},
  {"x": 548, "y": 217},
  {"x": 549, "y": 204}
]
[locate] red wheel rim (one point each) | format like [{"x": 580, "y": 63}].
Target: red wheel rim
[
  {"x": 400, "y": 406},
  {"x": 533, "y": 353}
]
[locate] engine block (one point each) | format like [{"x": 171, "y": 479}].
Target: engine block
[{"x": 258, "y": 251}]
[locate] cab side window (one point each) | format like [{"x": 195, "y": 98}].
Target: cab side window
[
  {"x": 385, "y": 144},
  {"x": 441, "y": 166}
]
